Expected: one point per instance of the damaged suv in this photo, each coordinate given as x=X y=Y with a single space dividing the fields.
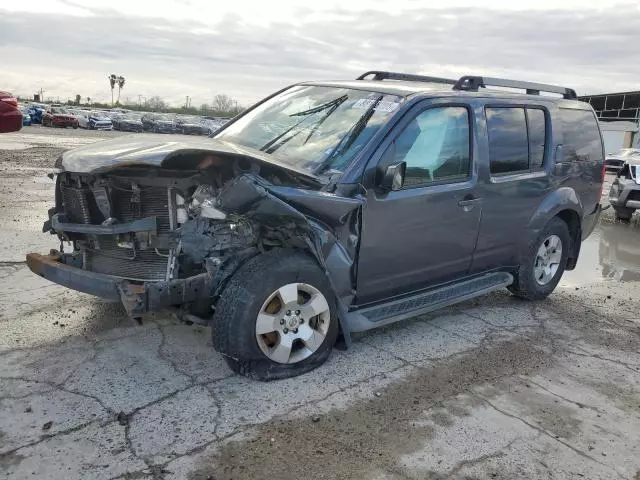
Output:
x=331 y=208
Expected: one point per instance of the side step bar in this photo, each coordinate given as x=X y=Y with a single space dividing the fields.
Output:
x=396 y=310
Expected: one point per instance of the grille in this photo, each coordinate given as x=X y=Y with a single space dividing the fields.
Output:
x=113 y=260
x=154 y=202
x=634 y=195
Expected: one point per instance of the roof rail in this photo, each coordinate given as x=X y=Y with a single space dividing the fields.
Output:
x=472 y=83
x=379 y=75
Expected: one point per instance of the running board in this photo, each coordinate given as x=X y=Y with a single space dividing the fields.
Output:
x=396 y=310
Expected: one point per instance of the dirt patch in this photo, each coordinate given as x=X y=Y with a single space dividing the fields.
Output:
x=41 y=157
x=368 y=437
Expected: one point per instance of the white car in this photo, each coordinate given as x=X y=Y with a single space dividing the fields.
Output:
x=94 y=121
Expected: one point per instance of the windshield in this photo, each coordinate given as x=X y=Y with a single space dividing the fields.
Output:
x=312 y=127
x=58 y=110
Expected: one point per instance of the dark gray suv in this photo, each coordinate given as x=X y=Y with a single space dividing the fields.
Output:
x=333 y=207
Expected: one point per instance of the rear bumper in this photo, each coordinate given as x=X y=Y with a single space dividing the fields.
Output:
x=590 y=221
x=137 y=297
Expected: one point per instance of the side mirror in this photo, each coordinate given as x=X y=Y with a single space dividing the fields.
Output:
x=393 y=176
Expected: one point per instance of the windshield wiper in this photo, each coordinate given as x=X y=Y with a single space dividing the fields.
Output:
x=319 y=108
x=349 y=137
x=271 y=146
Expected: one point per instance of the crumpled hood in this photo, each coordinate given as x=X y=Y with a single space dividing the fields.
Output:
x=153 y=151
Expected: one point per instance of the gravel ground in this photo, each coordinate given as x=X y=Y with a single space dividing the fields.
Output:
x=495 y=388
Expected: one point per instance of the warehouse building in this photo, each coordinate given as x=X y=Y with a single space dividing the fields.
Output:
x=619 y=115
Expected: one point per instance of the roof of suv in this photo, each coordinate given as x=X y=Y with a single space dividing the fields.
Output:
x=405 y=85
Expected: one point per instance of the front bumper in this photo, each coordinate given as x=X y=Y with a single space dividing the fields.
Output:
x=137 y=297
x=625 y=193
x=64 y=122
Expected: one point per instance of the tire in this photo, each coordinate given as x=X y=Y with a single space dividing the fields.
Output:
x=246 y=295
x=75 y=127
x=525 y=284
x=623 y=213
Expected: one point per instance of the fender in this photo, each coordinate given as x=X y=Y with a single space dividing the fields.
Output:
x=564 y=198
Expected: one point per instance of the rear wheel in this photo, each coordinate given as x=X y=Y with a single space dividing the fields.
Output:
x=276 y=318
x=623 y=213
x=544 y=264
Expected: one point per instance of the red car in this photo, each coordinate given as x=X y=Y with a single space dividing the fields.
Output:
x=58 y=117
x=10 y=115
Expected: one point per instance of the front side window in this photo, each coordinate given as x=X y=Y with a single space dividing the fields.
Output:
x=435 y=146
x=316 y=128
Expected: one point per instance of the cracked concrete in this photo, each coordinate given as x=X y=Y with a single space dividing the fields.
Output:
x=494 y=388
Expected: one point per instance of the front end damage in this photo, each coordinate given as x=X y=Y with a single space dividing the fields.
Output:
x=170 y=234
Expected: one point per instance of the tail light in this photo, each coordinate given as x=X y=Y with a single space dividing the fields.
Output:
x=13 y=101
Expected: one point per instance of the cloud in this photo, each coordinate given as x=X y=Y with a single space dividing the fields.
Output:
x=590 y=50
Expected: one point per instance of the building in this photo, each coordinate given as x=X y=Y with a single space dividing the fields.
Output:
x=619 y=115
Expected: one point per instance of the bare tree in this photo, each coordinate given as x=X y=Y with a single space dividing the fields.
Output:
x=155 y=103
x=112 y=81
x=88 y=99
x=224 y=103
x=120 y=81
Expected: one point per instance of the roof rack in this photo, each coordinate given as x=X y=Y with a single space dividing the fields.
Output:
x=379 y=75
x=472 y=83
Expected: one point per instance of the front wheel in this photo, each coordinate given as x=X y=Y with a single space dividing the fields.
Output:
x=623 y=213
x=276 y=318
x=544 y=263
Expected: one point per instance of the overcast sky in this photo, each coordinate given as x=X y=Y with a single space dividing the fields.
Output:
x=247 y=49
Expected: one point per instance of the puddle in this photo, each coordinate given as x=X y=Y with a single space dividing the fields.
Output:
x=611 y=253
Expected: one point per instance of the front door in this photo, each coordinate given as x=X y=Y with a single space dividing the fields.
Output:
x=425 y=233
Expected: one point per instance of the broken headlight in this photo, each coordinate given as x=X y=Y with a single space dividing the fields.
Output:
x=203 y=203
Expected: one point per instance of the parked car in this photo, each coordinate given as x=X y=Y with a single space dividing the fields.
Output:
x=128 y=123
x=332 y=208
x=213 y=124
x=26 y=118
x=58 y=117
x=157 y=123
x=615 y=161
x=10 y=115
x=624 y=195
x=35 y=112
x=191 y=126
x=94 y=120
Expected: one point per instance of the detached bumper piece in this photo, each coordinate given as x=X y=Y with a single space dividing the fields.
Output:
x=137 y=298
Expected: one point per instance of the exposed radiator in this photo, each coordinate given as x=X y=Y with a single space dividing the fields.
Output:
x=154 y=202
x=110 y=259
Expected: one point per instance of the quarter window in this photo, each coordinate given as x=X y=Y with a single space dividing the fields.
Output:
x=582 y=142
x=435 y=147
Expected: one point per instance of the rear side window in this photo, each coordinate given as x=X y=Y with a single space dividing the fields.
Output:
x=508 y=142
x=517 y=139
x=582 y=142
x=537 y=136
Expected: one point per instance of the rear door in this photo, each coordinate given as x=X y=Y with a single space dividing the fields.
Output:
x=425 y=233
x=515 y=179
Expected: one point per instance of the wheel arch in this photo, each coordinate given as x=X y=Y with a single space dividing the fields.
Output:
x=563 y=203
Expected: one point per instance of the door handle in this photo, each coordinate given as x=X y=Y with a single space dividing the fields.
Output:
x=468 y=203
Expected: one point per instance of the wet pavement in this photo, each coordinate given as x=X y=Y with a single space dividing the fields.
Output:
x=495 y=388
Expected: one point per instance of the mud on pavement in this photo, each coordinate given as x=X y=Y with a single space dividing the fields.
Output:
x=493 y=388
